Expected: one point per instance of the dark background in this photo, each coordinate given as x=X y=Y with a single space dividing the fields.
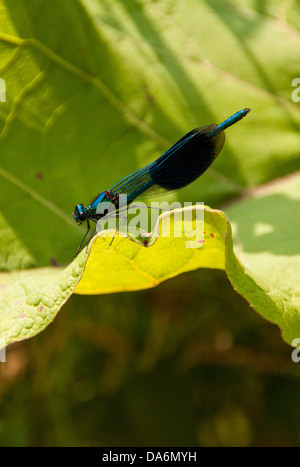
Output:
x=188 y=363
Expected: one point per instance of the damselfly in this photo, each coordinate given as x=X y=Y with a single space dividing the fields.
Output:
x=179 y=166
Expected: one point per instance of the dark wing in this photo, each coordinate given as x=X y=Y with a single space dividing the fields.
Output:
x=179 y=166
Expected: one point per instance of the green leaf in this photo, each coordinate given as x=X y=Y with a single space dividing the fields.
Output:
x=264 y=269
x=30 y=300
x=13 y=255
x=266 y=227
x=126 y=264
x=264 y=266
x=129 y=78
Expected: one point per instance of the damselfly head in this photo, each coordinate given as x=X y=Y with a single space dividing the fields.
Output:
x=79 y=214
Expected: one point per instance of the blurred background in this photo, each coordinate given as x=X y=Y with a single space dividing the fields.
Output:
x=188 y=363
x=101 y=88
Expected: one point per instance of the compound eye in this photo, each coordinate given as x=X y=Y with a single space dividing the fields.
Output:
x=79 y=214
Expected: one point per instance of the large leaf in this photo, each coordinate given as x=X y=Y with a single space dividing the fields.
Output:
x=99 y=89
x=267 y=226
x=264 y=267
x=267 y=273
x=102 y=87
